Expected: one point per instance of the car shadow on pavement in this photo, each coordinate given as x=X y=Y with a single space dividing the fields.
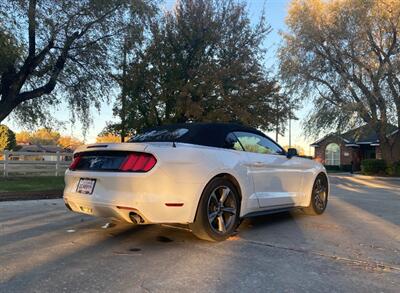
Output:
x=97 y=244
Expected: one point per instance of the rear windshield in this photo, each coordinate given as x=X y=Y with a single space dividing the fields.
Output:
x=160 y=135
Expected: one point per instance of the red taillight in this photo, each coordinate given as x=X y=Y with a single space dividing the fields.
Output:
x=75 y=162
x=138 y=162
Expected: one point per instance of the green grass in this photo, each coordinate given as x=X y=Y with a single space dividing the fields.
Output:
x=31 y=183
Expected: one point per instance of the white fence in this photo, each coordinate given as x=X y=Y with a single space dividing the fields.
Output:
x=34 y=164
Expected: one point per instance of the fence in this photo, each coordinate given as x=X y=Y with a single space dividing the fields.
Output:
x=34 y=164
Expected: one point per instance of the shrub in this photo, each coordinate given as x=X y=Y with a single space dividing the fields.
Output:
x=7 y=138
x=393 y=169
x=396 y=167
x=341 y=168
x=373 y=166
x=346 y=168
x=332 y=168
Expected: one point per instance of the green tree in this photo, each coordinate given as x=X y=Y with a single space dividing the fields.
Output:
x=7 y=138
x=108 y=138
x=130 y=41
x=64 y=53
x=9 y=50
x=45 y=136
x=345 y=56
x=202 y=62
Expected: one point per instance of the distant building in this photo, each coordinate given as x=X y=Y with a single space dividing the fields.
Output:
x=340 y=150
x=38 y=148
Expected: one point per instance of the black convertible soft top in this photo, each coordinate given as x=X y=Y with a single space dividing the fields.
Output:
x=207 y=134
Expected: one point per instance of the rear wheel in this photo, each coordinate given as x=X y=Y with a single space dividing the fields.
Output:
x=319 y=196
x=218 y=211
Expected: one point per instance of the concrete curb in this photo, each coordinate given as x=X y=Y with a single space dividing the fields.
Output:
x=366 y=177
x=376 y=177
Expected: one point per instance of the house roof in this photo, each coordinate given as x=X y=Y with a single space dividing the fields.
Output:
x=362 y=135
x=37 y=148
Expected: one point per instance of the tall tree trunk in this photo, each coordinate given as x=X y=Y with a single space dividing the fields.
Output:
x=6 y=107
x=395 y=142
x=390 y=147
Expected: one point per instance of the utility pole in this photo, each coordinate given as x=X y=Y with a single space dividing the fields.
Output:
x=277 y=120
x=123 y=91
x=277 y=127
x=290 y=131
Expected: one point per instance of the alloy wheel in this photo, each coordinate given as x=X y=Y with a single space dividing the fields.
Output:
x=222 y=209
x=320 y=194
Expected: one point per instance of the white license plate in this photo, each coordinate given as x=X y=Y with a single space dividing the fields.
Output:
x=86 y=186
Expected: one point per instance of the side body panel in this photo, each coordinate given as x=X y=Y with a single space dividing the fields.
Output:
x=277 y=180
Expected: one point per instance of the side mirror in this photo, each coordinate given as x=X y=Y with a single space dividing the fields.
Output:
x=292 y=152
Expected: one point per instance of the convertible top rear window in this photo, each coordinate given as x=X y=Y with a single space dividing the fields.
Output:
x=160 y=135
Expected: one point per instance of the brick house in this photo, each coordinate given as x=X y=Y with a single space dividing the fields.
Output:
x=342 y=150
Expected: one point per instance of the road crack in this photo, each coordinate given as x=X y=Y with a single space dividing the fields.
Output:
x=359 y=262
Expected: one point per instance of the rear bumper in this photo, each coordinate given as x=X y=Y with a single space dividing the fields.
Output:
x=96 y=209
x=151 y=213
x=156 y=198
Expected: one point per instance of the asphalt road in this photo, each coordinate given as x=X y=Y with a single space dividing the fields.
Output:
x=353 y=247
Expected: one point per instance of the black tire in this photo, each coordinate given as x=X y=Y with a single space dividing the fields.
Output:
x=218 y=211
x=319 y=196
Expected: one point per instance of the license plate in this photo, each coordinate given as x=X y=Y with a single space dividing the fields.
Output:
x=86 y=186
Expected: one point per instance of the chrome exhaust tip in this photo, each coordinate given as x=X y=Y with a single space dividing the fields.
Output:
x=135 y=218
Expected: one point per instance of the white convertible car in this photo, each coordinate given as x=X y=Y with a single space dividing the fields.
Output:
x=207 y=175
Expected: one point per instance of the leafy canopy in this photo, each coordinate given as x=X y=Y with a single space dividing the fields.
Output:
x=201 y=62
x=344 y=54
x=45 y=136
x=60 y=53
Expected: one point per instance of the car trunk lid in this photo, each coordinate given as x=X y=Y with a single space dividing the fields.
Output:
x=113 y=157
x=135 y=147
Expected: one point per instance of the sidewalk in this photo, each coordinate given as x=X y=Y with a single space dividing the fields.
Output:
x=376 y=177
x=365 y=177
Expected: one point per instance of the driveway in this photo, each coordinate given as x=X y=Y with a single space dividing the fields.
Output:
x=353 y=247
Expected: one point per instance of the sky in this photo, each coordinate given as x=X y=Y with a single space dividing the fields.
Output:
x=276 y=11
